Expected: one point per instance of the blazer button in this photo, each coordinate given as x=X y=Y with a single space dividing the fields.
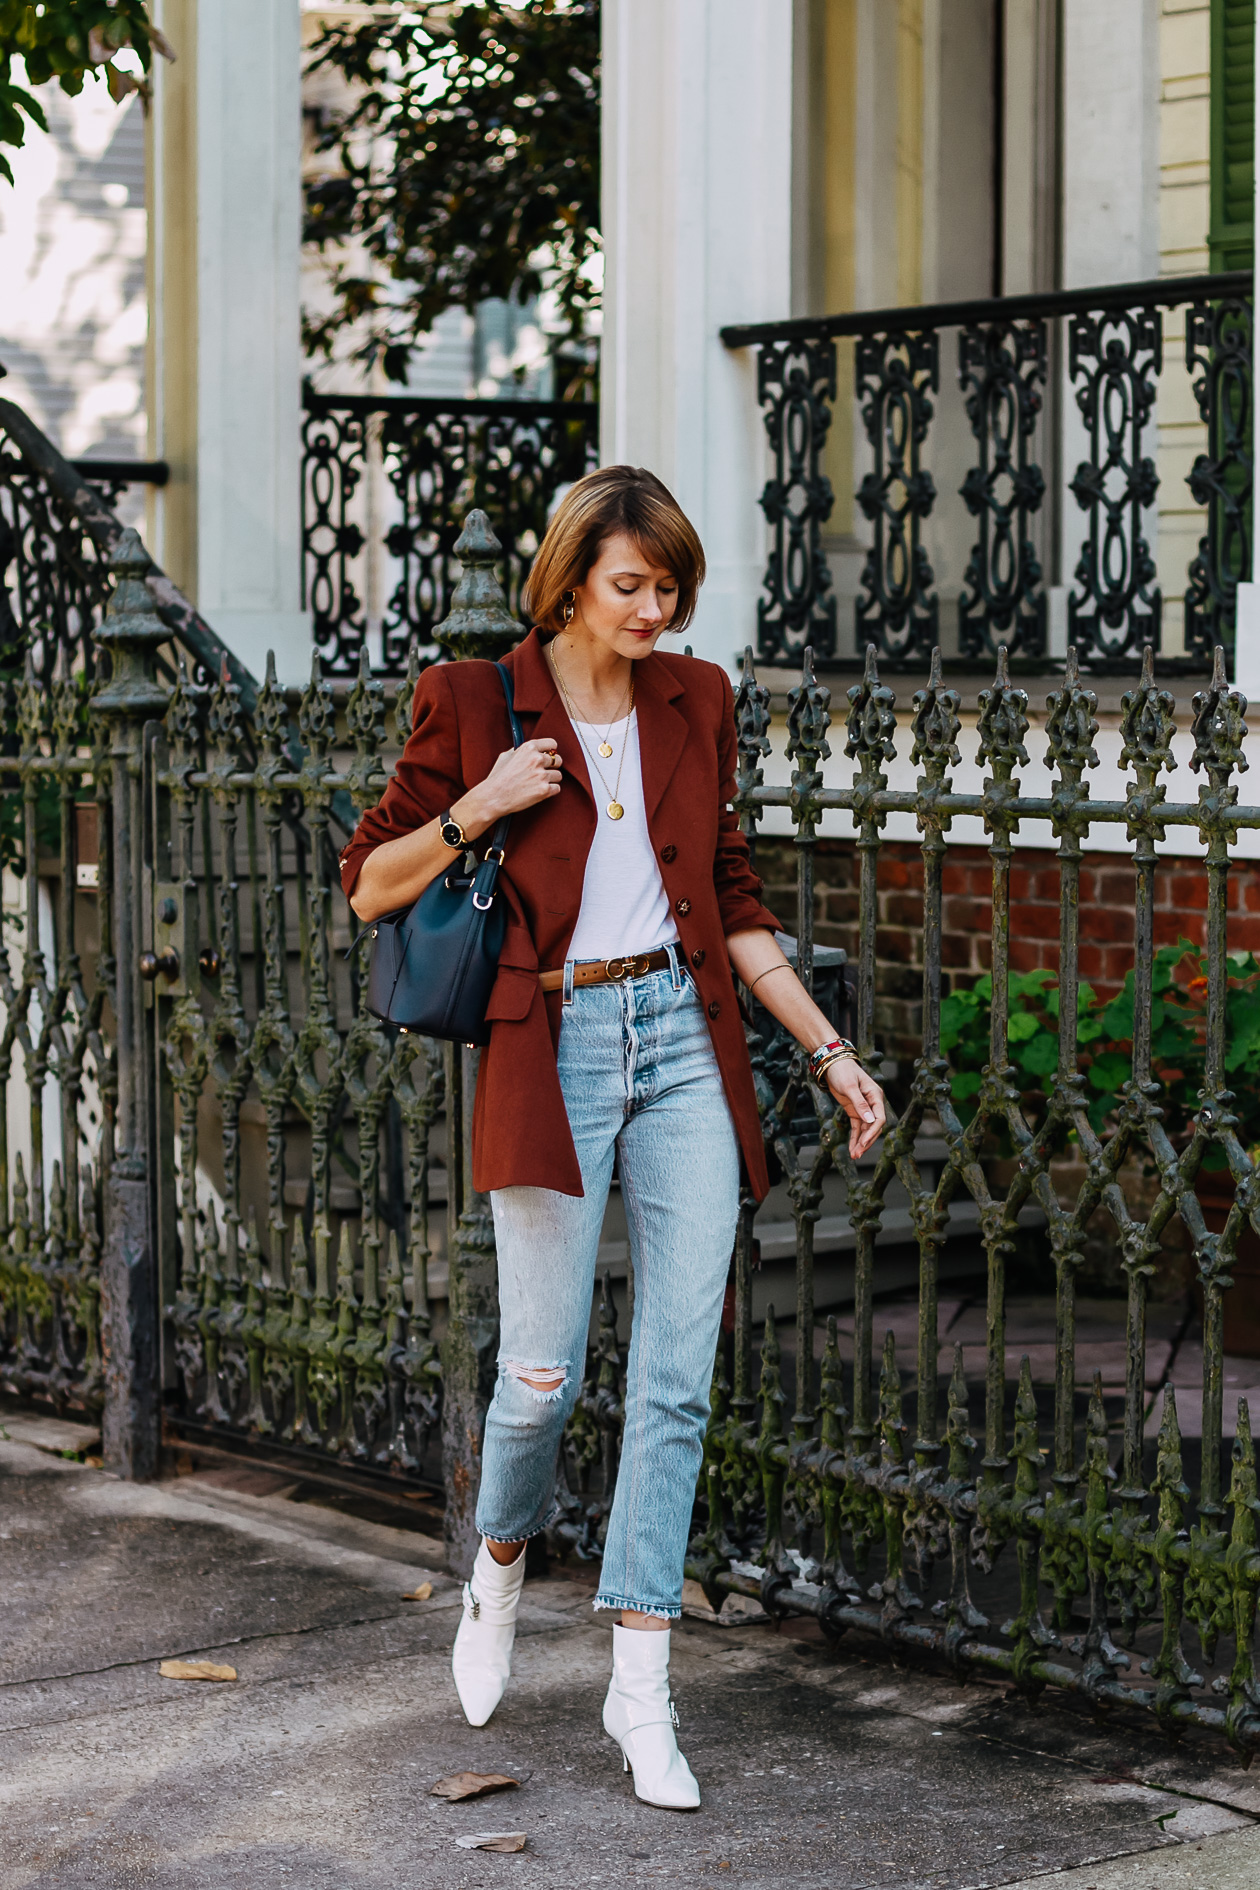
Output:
x=697 y=959
x=682 y=907
x=715 y=1009
x=669 y=855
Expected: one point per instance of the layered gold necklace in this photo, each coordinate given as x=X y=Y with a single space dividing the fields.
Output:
x=614 y=808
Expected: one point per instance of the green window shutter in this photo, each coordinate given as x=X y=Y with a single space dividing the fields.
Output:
x=1232 y=235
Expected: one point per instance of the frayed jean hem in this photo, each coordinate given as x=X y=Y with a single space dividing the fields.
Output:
x=636 y=1607
x=526 y=1535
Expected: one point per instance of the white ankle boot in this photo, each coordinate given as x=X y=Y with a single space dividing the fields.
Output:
x=482 y=1658
x=640 y=1716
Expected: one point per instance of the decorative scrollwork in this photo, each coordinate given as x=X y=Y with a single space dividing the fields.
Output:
x=438 y=459
x=1219 y=343
x=334 y=460
x=1002 y=370
x=1116 y=357
x=796 y=384
x=895 y=375
x=54 y=579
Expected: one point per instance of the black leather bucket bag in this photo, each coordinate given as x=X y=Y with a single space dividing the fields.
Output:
x=434 y=964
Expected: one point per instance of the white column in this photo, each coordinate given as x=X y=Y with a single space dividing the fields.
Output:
x=697 y=219
x=249 y=209
x=225 y=339
x=1110 y=142
x=1110 y=89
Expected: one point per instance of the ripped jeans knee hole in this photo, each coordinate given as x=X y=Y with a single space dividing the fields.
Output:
x=546 y=1382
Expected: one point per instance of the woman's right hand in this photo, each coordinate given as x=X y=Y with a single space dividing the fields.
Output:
x=520 y=778
x=395 y=873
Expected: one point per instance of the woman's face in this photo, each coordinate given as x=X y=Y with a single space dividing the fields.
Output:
x=626 y=600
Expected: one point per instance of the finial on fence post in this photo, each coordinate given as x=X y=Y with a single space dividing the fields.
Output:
x=131 y=631
x=479 y=622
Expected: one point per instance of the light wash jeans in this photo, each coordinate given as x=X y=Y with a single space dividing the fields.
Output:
x=639 y=1076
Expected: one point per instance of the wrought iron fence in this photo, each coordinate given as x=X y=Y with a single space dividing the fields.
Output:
x=254 y=1251
x=386 y=483
x=1020 y=361
x=60 y=997
x=58 y=1071
x=295 y=1243
x=851 y=1484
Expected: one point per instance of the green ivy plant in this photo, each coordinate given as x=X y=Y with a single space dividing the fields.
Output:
x=67 y=40
x=1104 y=1031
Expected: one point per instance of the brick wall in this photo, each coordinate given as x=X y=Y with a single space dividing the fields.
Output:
x=1106 y=916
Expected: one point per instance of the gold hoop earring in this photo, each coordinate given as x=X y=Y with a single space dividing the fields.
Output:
x=567 y=609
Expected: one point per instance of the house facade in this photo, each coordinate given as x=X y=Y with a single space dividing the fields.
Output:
x=764 y=162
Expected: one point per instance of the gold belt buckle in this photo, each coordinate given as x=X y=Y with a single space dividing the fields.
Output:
x=617 y=970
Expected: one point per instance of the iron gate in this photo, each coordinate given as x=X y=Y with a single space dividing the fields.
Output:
x=226 y=1205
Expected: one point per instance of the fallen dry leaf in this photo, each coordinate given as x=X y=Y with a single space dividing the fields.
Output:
x=459 y=1785
x=195 y=1670
x=419 y=1594
x=492 y=1841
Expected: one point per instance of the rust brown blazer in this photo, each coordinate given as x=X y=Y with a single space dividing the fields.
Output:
x=521 y=1133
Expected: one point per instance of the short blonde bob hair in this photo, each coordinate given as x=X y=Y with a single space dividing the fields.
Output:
x=610 y=500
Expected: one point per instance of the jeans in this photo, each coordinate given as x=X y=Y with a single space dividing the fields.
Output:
x=639 y=1078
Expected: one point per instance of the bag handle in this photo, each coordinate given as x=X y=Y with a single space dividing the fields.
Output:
x=488 y=872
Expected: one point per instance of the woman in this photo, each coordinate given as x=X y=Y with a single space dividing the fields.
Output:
x=617 y=1032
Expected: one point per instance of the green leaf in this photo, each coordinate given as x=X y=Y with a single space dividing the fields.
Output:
x=1021 y=1026
x=1041 y=1056
x=1109 y=1070
x=964 y=1084
x=1031 y=983
x=1117 y=1017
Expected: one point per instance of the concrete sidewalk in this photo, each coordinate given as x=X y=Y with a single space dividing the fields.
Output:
x=313 y=1768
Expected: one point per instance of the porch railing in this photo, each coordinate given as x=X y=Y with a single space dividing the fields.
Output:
x=1056 y=494
x=387 y=481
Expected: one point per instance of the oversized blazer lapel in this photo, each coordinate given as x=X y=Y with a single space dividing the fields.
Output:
x=535 y=693
x=662 y=730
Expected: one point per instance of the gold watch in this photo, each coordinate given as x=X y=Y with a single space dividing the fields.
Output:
x=452 y=832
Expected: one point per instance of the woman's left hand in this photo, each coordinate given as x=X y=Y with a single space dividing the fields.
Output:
x=862 y=1100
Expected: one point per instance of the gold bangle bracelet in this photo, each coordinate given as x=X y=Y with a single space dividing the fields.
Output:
x=765 y=974
x=841 y=1056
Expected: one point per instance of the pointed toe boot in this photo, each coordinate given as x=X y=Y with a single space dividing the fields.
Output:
x=482 y=1658
x=640 y=1716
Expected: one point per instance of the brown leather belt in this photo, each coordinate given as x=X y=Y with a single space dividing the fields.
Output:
x=608 y=970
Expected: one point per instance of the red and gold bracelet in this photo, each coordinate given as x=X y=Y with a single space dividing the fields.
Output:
x=828 y=1053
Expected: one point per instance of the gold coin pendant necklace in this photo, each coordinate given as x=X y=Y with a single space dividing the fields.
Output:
x=614 y=809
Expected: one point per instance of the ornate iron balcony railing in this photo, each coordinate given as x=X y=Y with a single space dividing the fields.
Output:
x=1022 y=362
x=386 y=483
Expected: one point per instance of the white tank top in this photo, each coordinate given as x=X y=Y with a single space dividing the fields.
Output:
x=625 y=907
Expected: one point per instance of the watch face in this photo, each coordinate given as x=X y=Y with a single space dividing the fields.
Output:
x=452 y=833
